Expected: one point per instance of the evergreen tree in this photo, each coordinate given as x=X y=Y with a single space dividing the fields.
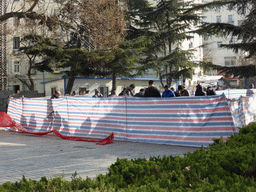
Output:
x=167 y=25
x=35 y=47
x=242 y=37
x=124 y=61
x=97 y=29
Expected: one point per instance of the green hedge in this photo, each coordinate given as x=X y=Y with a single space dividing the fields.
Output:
x=223 y=166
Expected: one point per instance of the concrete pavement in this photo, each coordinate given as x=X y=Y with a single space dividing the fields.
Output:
x=35 y=157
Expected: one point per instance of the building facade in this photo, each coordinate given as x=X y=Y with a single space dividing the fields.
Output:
x=14 y=64
x=3 y=48
x=212 y=51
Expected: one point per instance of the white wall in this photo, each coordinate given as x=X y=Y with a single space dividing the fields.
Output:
x=218 y=54
x=92 y=84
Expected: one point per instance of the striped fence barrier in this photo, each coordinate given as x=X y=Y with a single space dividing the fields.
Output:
x=236 y=93
x=183 y=121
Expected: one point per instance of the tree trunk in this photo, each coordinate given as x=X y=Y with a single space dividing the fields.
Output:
x=23 y=81
x=113 y=81
x=71 y=81
x=161 y=79
x=31 y=86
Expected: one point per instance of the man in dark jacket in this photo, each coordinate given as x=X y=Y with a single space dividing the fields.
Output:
x=152 y=91
x=128 y=91
x=140 y=94
x=210 y=91
x=199 y=91
x=183 y=91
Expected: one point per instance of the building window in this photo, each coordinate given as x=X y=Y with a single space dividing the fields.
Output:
x=219 y=44
x=16 y=67
x=230 y=19
x=218 y=19
x=16 y=42
x=230 y=61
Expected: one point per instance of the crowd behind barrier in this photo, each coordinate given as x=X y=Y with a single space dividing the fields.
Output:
x=183 y=121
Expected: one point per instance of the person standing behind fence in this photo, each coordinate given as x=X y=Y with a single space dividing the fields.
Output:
x=175 y=92
x=152 y=91
x=199 y=91
x=168 y=92
x=210 y=91
x=183 y=91
x=56 y=95
x=97 y=94
x=128 y=91
x=140 y=94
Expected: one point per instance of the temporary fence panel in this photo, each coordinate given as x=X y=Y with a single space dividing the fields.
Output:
x=236 y=93
x=71 y=116
x=243 y=110
x=184 y=121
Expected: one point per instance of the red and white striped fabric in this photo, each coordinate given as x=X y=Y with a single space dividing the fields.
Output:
x=183 y=121
x=236 y=93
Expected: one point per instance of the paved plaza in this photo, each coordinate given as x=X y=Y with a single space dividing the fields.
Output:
x=34 y=156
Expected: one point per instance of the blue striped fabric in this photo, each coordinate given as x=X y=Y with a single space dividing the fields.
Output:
x=236 y=93
x=183 y=121
x=243 y=110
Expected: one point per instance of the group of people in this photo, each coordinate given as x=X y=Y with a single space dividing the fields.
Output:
x=207 y=92
x=152 y=91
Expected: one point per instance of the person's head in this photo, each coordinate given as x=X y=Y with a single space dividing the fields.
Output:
x=96 y=91
x=166 y=87
x=142 y=90
x=132 y=86
x=199 y=87
x=172 y=89
x=57 y=94
x=150 y=82
x=180 y=87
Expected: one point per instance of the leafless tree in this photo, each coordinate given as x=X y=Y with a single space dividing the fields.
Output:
x=100 y=23
x=95 y=25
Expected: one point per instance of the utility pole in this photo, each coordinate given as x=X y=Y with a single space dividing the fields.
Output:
x=3 y=61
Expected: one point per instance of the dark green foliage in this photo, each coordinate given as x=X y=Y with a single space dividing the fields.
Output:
x=166 y=24
x=241 y=37
x=222 y=166
x=238 y=71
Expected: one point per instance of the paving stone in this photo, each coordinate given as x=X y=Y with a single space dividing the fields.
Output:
x=49 y=156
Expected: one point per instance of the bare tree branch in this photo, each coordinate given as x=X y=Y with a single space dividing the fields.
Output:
x=28 y=13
